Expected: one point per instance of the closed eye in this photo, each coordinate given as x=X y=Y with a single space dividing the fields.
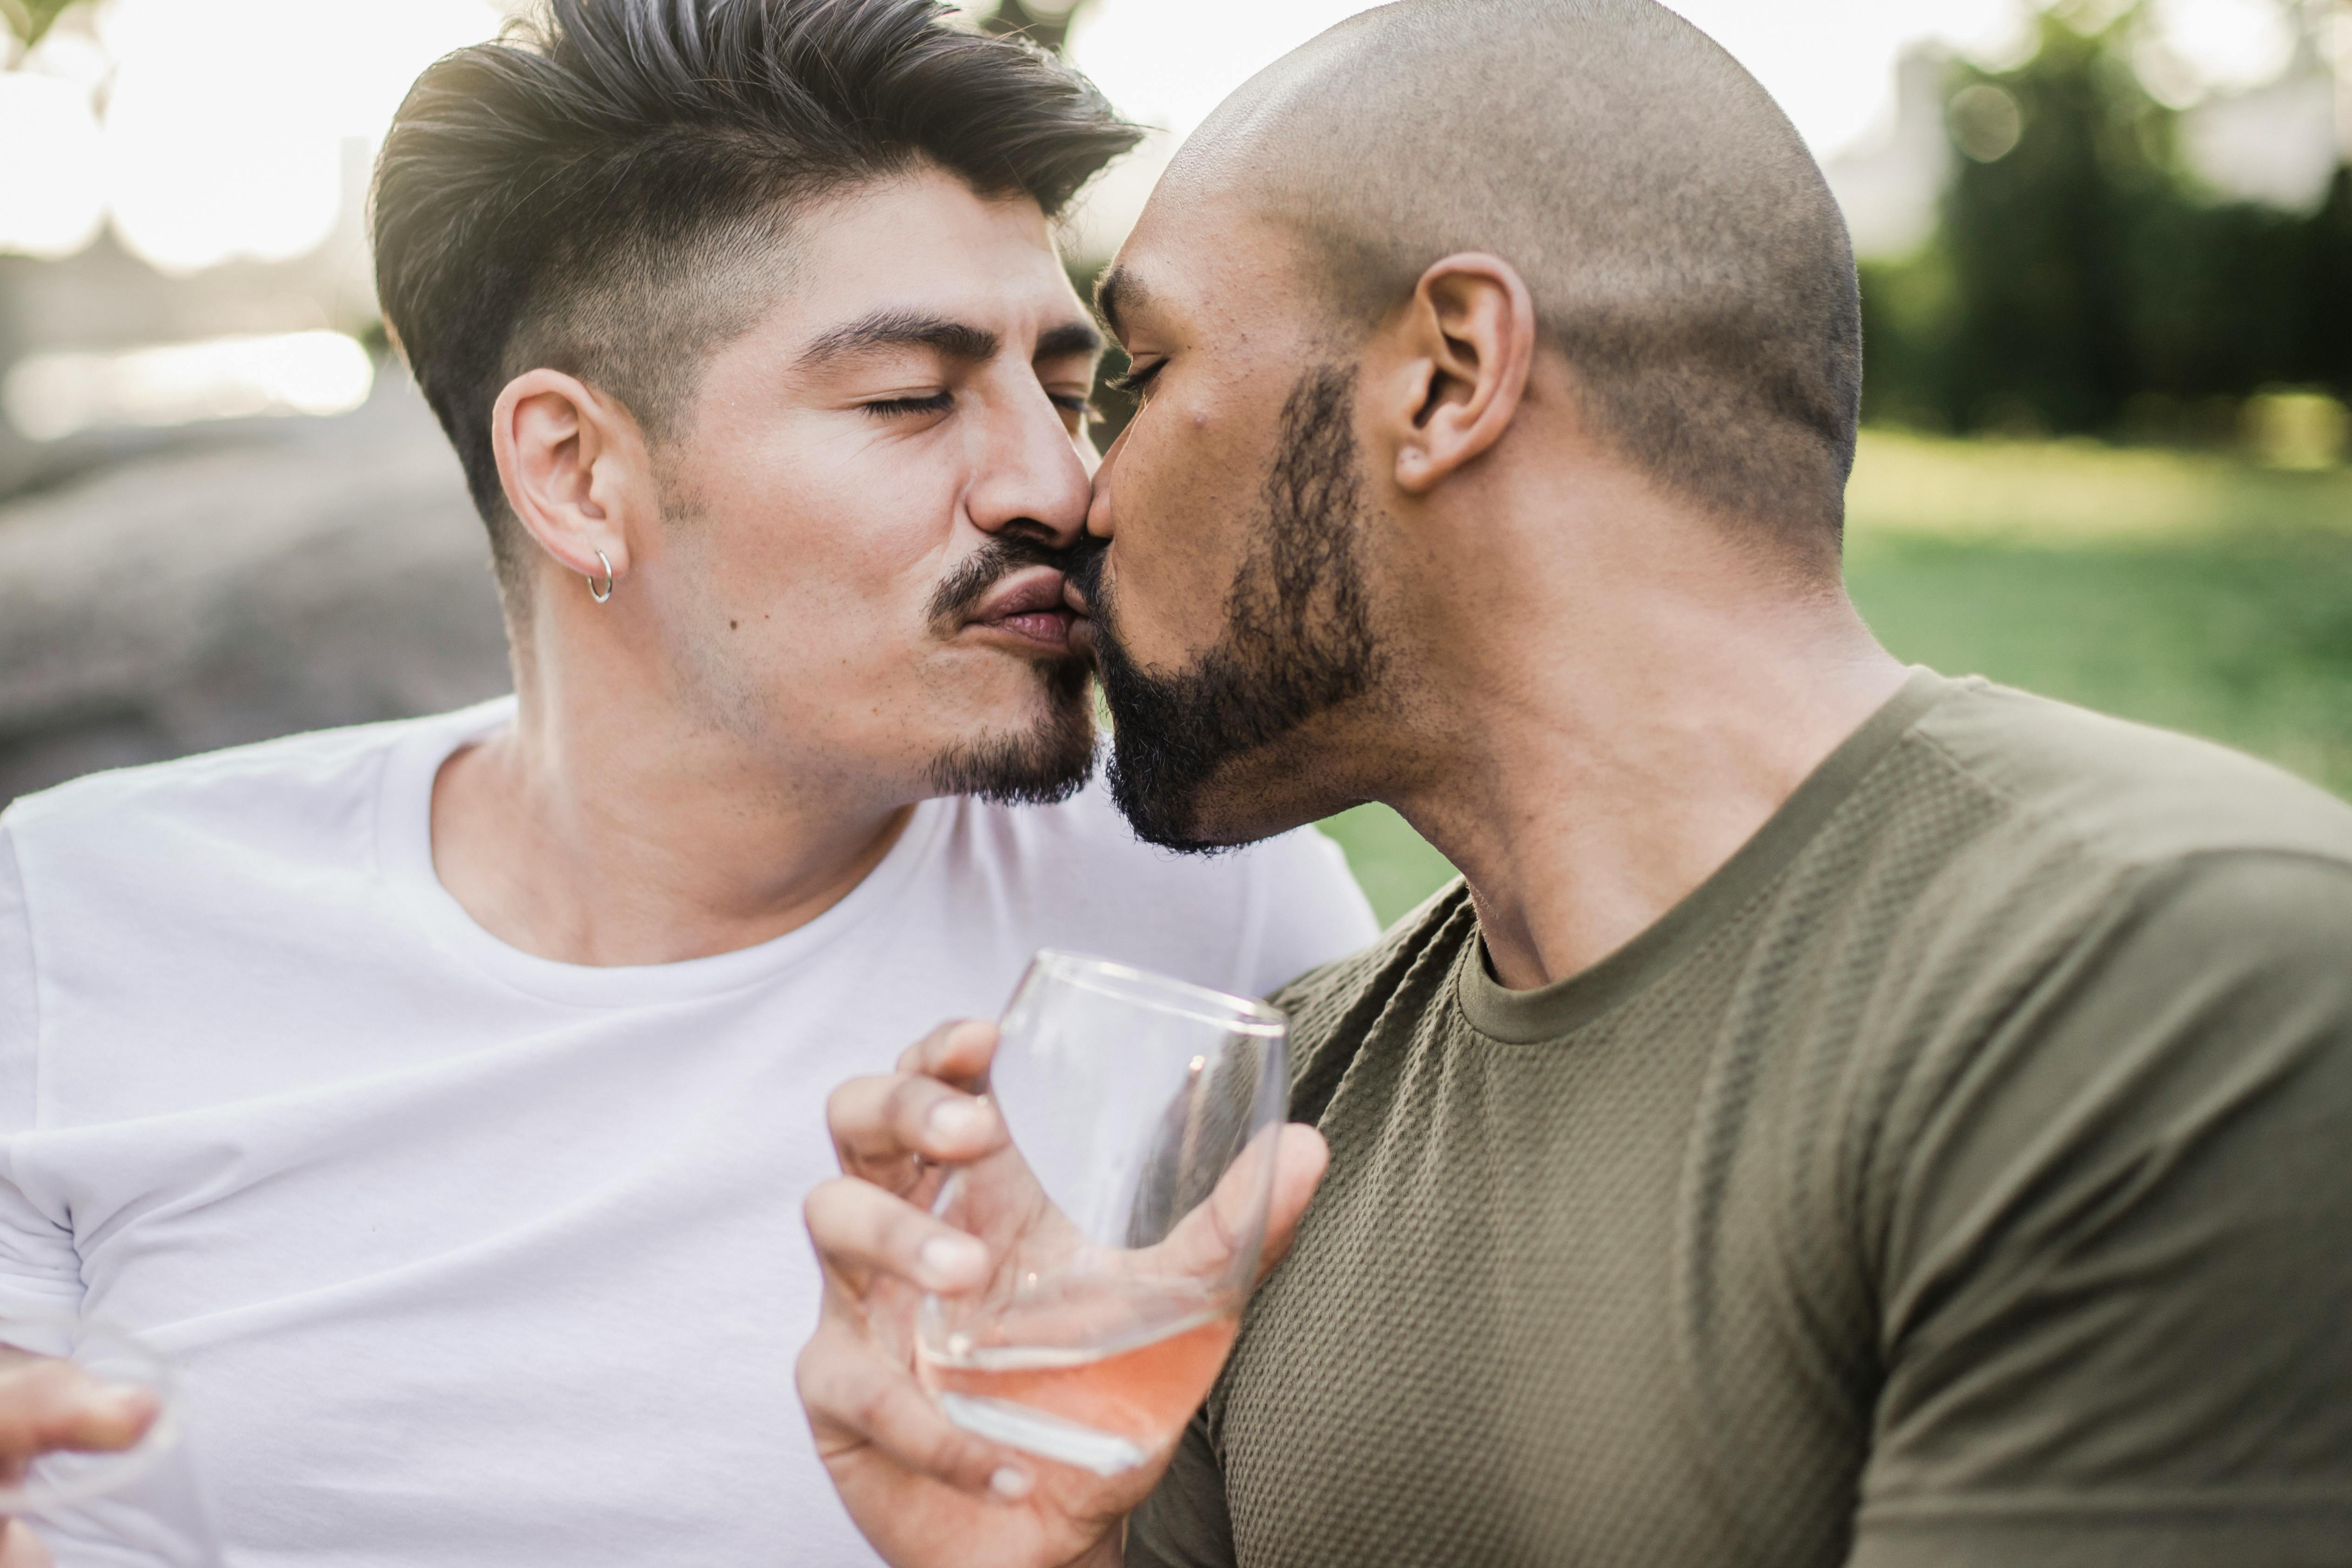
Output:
x=1074 y=403
x=1135 y=377
x=890 y=407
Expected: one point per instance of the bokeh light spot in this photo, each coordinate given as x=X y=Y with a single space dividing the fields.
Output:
x=1987 y=123
x=52 y=395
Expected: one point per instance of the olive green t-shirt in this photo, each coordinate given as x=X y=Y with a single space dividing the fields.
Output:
x=1961 y=1176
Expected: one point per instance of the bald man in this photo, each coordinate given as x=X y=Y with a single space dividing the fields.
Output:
x=1844 y=1115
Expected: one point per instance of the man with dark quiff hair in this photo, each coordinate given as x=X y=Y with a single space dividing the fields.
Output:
x=440 y=1094
x=1842 y=1115
x=619 y=199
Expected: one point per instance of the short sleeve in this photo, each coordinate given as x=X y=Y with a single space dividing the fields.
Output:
x=1304 y=910
x=1184 y=1522
x=20 y=1019
x=40 y=1270
x=2117 y=1269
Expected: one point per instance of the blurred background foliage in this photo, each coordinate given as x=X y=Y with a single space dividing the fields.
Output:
x=2104 y=453
x=2083 y=281
x=28 y=19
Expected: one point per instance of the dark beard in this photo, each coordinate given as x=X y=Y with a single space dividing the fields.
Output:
x=1298 y=639
x=1042 y=765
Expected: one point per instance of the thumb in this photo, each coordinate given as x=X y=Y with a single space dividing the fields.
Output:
x=1300 y=1162
x=48 y=1405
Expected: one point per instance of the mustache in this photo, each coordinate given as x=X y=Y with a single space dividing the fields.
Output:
x=1083 y=566
x=972 y=577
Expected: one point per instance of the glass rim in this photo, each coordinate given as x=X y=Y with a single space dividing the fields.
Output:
x=1164 y=992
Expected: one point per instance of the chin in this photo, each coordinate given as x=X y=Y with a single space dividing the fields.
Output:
x=1045 y=760
x=1238 y=798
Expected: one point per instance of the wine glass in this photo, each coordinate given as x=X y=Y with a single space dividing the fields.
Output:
x=1124 y=1219
x=140 y=1497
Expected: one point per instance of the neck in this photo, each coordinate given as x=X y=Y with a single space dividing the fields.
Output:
x=614 y=824
x=1584 y=792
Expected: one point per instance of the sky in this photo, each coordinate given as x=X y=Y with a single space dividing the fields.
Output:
x=229 y=128
x=1830 y=62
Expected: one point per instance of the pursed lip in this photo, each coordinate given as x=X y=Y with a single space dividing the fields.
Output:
x=1030 y=604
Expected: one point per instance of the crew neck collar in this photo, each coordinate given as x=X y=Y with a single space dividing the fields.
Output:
x=405 y=855
x=1531 y=1017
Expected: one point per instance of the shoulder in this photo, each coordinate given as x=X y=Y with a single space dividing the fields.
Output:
x=309 y=796
x=1377 y=967
x=2003 y=830
x=2124 y=794
x=2108 y=933
x=1334 y=1008
x=1244 y=920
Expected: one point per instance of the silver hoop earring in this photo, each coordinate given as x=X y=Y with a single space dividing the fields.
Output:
x=607 y=593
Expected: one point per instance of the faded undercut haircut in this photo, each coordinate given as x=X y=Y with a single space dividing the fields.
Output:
x=1682 y=246
x=609 y=189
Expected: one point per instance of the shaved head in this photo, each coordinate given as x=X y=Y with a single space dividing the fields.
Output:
x=1682 y=248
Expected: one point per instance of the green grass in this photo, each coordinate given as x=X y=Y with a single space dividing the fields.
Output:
x=1396 y=866
x=2186 y=590
x=2190 y=591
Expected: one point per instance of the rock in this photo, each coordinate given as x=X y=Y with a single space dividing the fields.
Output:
x=287 y=575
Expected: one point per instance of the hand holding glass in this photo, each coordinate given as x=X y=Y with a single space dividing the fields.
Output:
x=1124 y=1219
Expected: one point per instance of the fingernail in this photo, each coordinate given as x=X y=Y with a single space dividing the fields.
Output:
x=123 y=1402
x=1010 y=1484
x=952 y=1118
x=949 y=1257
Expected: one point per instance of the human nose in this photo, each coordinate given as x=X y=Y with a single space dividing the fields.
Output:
x=1031 y=478
x=1099 y=522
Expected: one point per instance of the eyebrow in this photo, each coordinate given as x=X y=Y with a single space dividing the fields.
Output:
x=902 y=330
x=1069 y=339
x=954 y=339
x=1117 y=284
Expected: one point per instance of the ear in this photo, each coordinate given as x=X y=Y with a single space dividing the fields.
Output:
x=1466 y=341
x=571 y=462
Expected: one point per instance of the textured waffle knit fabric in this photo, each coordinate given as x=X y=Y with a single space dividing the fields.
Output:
x=1959 y=1177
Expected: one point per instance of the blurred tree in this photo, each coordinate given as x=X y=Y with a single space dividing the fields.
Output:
x=2080 y=280
x=28 y=19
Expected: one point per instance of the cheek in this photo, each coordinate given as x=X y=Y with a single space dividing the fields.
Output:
x=816 y=560
x=1185 y=497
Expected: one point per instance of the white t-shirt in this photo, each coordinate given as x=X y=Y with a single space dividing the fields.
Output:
x=469 y=1258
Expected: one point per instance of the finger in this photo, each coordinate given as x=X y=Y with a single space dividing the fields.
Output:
x=956 y=1053
x=857 y=1115
x=1203 y=1242
x=20 y=1547
x=877 y=1123
x=854 y=1396
x=48 y=1405
x=860 y=1231
x=1300 y=1159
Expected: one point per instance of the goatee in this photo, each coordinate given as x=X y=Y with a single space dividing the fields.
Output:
x=1052 y=759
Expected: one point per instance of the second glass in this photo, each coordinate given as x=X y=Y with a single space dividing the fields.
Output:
x=1124 y=1221
x=136 y=1504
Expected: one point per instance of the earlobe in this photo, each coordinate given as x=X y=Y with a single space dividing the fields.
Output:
x=1416 y=395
